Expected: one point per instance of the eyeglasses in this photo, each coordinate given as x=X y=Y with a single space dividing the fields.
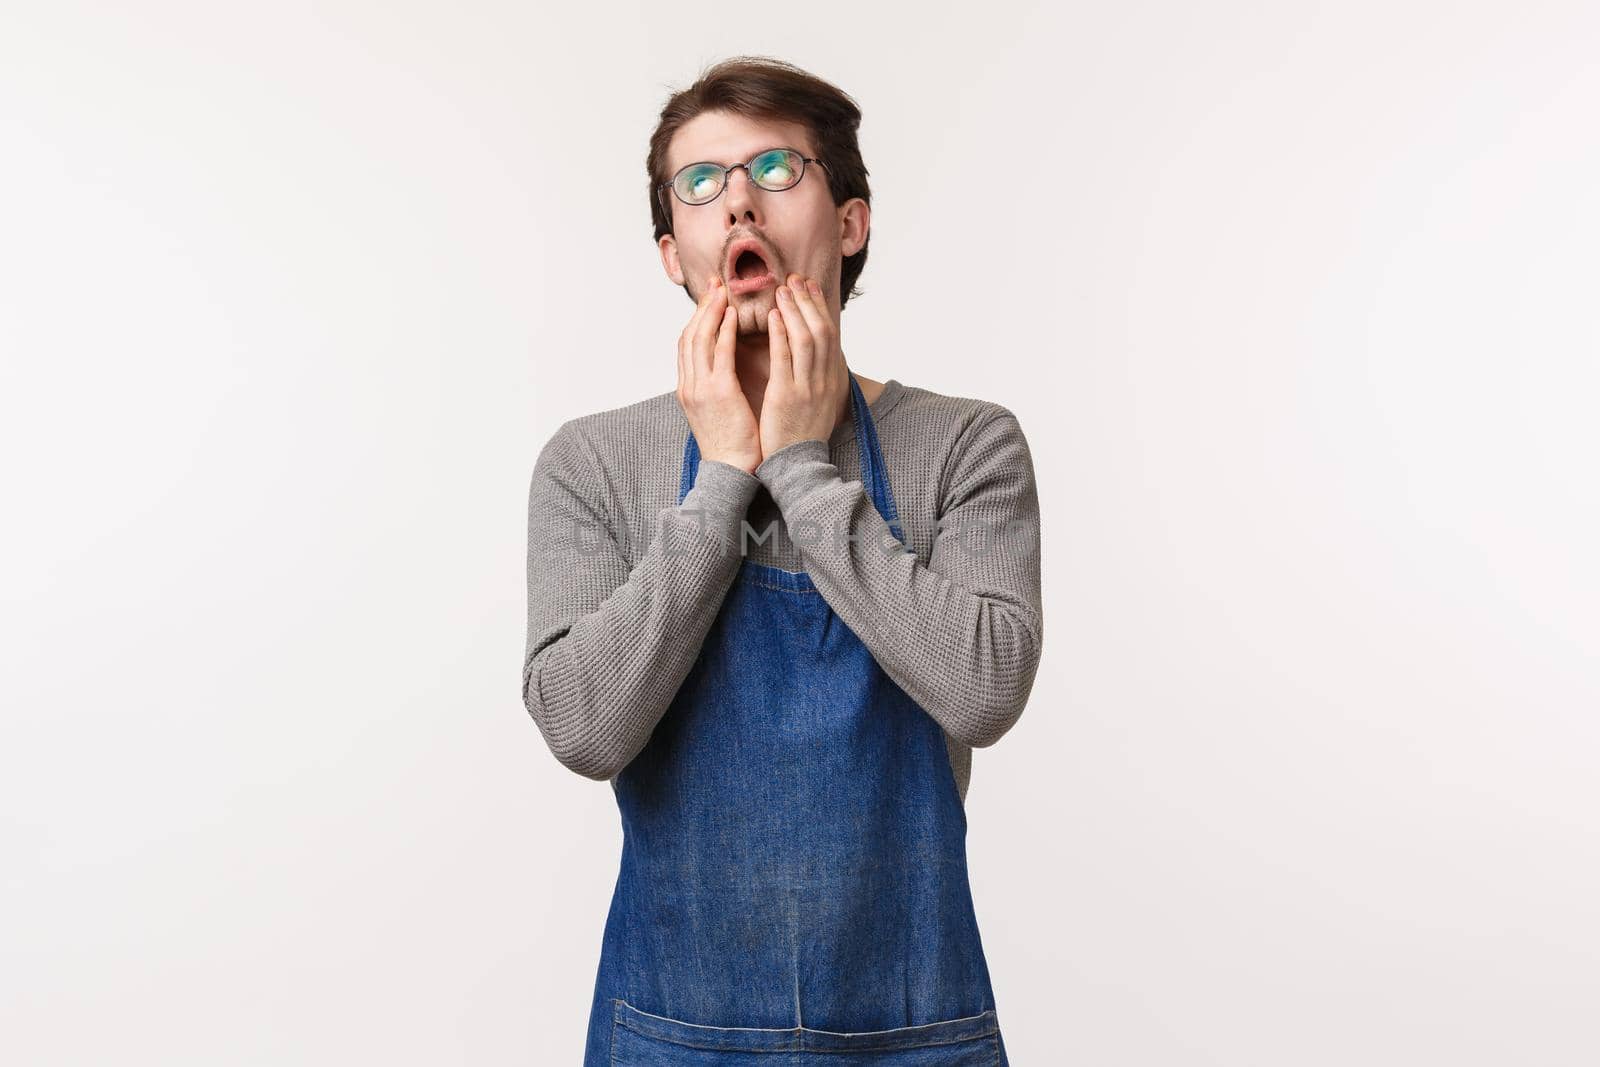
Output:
x=775 y=170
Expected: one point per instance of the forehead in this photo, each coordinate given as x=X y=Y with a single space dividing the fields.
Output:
x=726 y=138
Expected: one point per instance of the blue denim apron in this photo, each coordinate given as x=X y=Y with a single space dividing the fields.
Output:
x=794 y=869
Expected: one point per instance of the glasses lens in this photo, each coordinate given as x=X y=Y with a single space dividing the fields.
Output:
x=777 y=169
x=698 y=183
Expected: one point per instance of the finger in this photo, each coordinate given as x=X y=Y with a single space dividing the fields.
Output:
x=683 y=373
x=706 y=331
x=722 y=362
x=780 y=365
x=686 y=363
x=818 y=325
x=798 y=333
x=700 y=307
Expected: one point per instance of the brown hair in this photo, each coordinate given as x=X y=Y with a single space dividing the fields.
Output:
x=765 y=88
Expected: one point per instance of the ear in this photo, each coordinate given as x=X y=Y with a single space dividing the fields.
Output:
x=668 y=247
x=855 y=220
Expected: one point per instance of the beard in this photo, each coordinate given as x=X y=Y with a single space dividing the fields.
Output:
x=751 y=314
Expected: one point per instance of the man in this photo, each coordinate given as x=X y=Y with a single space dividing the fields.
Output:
x=776 y=609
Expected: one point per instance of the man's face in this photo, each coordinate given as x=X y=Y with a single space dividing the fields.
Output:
x=795 y=230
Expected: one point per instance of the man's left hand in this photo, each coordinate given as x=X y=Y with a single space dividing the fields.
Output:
x=808 y=383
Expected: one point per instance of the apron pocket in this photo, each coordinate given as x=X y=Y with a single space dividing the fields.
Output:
x=643 y=1039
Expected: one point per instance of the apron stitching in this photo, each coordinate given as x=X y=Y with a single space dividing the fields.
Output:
x=889 y=1048
x=799 y=1033
x=916 y=1026
x=779 y=588
x=794 y=956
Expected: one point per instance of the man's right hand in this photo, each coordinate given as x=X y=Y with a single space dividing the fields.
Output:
x=719 y=414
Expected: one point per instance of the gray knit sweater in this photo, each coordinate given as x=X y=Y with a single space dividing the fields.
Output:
x=624 y=582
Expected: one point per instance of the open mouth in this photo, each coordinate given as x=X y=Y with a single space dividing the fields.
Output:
x=747 y=268
x=749 y=265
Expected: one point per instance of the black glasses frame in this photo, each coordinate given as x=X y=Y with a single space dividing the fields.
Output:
x=727 y=172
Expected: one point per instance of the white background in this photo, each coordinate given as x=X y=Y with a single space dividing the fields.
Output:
x=1296 y=303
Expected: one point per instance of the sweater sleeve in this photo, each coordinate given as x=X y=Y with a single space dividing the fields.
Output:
x=608 y=645
x=961 y=633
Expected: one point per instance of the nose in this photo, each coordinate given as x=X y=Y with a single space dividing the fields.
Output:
x=740 y=199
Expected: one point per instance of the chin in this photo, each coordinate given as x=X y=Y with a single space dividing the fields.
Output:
x=752 y=316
